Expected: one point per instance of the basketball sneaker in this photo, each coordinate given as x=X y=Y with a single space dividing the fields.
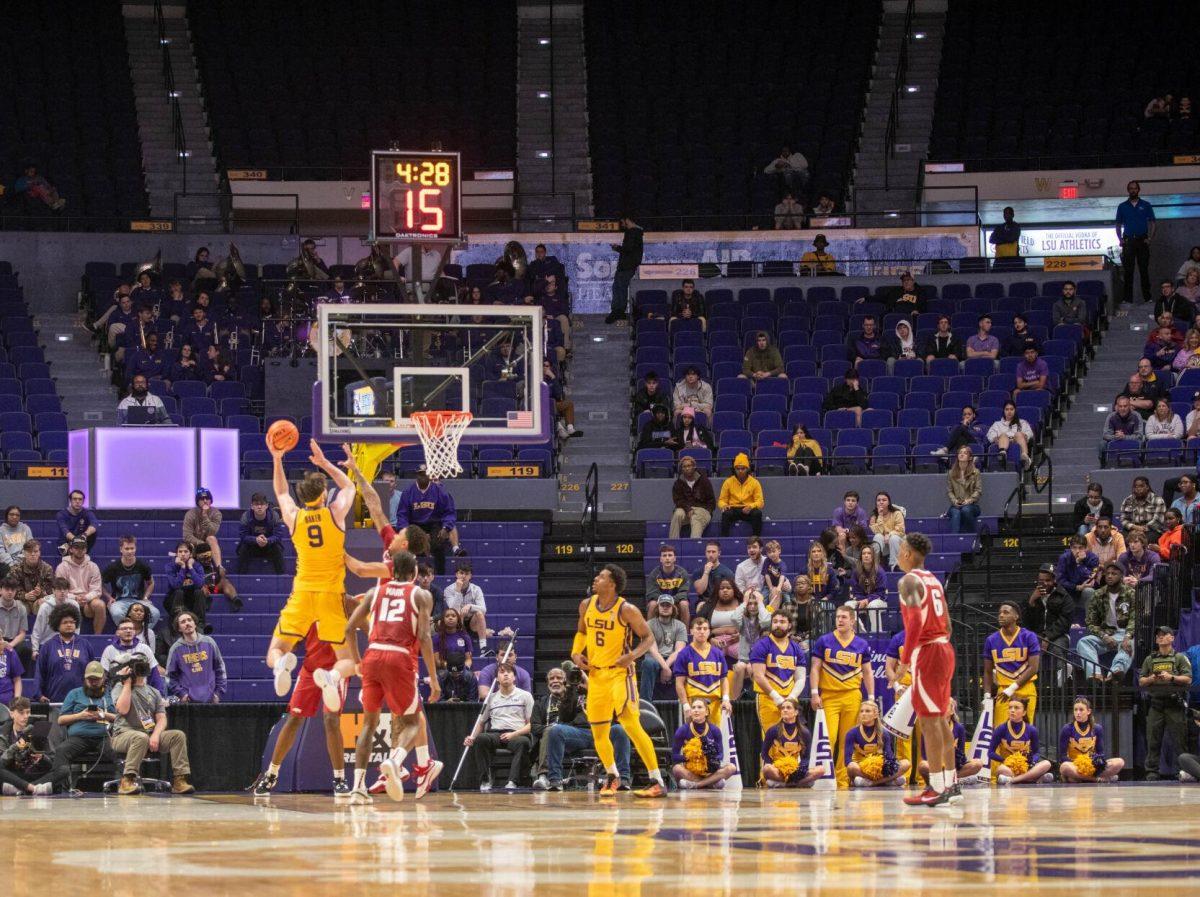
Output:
x=329 y=681
x=380 y=786
x=956 y=794
x=920 y=799
x=341 y=789
x=359 y=797
x=654 y=790
x=612 y=784
x=393 y=781
x=264 y=784
x=426 y=776
x=283 y=674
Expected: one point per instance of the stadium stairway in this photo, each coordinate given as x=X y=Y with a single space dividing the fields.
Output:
x=1074 y=452
x=915 y=117
x=568 y=558
x=599 y=387
x=166 y=174
x=87 y=394
x=552 y=117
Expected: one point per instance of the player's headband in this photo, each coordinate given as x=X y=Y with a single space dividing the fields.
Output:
x=316 y=501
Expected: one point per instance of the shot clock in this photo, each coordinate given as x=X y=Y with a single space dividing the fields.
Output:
x=416 y=195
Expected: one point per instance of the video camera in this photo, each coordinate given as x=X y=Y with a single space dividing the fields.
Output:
x=135 y=663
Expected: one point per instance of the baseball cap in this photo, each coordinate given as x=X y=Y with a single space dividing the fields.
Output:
x=79 y=540
x=664 y=598
x=1117 y=564
x=94 y=670
x=1046 y=568
x=1164 y=630
x=421 y=469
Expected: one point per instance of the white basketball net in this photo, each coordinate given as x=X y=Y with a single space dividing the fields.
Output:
x=440 y=432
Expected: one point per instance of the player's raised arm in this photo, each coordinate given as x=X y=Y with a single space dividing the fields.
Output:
x=335 y=473
x=283 y=493
x=580 y=643
x=365 y=570
x=634 y=619
x=368 y=492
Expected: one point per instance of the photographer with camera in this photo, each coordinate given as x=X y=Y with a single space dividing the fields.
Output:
x=126 y=643
x=141 y=726
x=24 y=766
x=85 y=714
x=561 y=725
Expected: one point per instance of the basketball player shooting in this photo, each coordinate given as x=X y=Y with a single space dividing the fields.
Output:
x=604 y=648
x=931 y=656
x=399 y=626
x=319 y=536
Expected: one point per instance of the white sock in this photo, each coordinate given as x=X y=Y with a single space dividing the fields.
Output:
x=951 y=777
x=360 y=780
x=656 y=775
x=422 y=752
x=273 y=769
x=612 y=770
x=398 y=755
x=339 y=775
x=937 y=781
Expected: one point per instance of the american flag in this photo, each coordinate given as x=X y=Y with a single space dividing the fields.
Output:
x=520 y=419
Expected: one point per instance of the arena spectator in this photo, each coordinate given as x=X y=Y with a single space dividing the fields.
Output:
x=982 y=344
x=117 y=317
x=822 y=574
x=804 y=453
x=13 y=536
x=867 y=588
x=33 y=185
x=199 y=270
x=1007 y=237
x=1190 y=264
x=1179 y=307
x=1091 y=508
x=14 y=624
x=942 y=343
x=1010 y=429
x=1016 y=735
x=141 y=728
x=904 y=343
x=869 y=343
x=1069 y=308
x=790 y=170
x=1141 y=397
x=487 y=675
x=651 y=393
x=706 y=579
x=903 y=299
x=561 y=727
x=467 y=598
x=775 y=580
x=84 y=715
x=503 y=363
x=33 y=577
x=76 y=520
x=564 y=408
x=741 y=498
x=1173 y=535
x=629 y=251
x=1144 y=509
x=687 y=303
x=260 y=535
x=1190 y=288
x=762 y=360
x=217 y=366
x=670 y=635
x=800 y=610
x=195 y=667
x=24 y=755
x=84 y=576
x=847 y=395
x=1151 y=379
x=1032 y=372
x=1078 y=571
x=215 y=580
x=1049 y=610
x=543 y=265
x=1111 y=615
x=1105 y=542
x=428 y=505
x=200 y=333
x=657 y=432
x=1014 y=344
x=789 y=214
x=126 y=581
x=148 y=361
x=1162 y=347
x=187 y=368
x=1188 y=357
x=668 y=578
x=849 y=513
x=185 y=587
x=506 y=722
x=452 y=651
x=1123 y=423
x=698 y=751
x=816 y=262
x=967 y=432
x=693 y=498
x=1135 y=230
x=1188 y=503
x=693 y=392
x=689 y=433
x=1166 y=677
x=1164 y=423
x=1138 y=561
x=42 y=632
x=337 y=292
x=748 y=574
x=826 y=206
x=887 y=528
x=126 y=644
x=62 y=657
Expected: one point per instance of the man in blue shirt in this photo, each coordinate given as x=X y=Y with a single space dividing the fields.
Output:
x=86 y=713
x=1135 y=230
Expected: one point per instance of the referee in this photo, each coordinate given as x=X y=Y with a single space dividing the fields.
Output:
x=1135 y=230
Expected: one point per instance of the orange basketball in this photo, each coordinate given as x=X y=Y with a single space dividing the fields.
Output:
x=282 y=436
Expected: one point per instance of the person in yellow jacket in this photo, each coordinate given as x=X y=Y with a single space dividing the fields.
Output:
x=741 y=498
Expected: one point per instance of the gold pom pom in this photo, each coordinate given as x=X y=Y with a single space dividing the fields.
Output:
x=1017 y=762
x=693 y=757
x=1085 y=766
x=787 y=765
x=872 y=767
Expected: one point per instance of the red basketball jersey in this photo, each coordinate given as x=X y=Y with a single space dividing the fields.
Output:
x=394 y=616
x=930 y=620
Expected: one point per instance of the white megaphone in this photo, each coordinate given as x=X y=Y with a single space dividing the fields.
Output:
x=900 y=718
x=820 y=754
x=733 y=783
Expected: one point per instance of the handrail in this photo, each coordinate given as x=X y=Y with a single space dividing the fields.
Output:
x=893 y=122
x=181 y=150
x=590 y=522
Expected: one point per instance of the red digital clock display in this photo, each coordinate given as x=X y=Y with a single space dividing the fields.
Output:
x=416 y=195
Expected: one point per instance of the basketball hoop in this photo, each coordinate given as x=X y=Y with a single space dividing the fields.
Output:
x=440 y=432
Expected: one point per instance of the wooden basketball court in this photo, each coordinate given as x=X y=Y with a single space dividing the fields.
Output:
x=1125 y=839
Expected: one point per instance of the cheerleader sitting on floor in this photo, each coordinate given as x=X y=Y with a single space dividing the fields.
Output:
x=1082 y=743
x=1015 y=752
x=785 y=751
x=698 y=749
x=871 y=752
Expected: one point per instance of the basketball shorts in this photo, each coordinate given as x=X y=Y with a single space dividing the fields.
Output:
x=932 y=670
x=390 y=676
x=609 y=690
x=306 y=701
x=303 y=610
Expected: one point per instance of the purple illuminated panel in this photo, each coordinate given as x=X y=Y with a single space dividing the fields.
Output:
x=219 y=457
x=144 y=468
x=79 y=462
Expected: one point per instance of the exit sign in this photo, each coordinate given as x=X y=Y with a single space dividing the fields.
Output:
x=1068 y=190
